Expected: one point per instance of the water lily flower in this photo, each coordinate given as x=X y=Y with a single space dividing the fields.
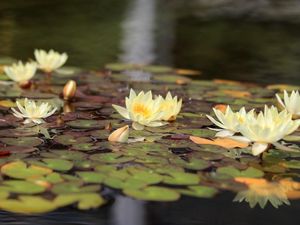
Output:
x=50 y=61
x=120 y=135
x=142 y=110
x=20 y=72
x=290 y=103
x=32 y=111
x=229 y=121
x=170 y=107
x=268 y=127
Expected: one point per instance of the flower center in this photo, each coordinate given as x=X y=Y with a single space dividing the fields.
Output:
x=141 y=109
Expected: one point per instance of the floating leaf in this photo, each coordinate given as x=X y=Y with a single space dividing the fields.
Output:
x=199 y=191
x=20 y=170
x=70 y=140
x=21 y=187
x=153 y=194
x=87 y=124
x=27 y=205
x=223 y=142
x=180 y=178
x=233 y=172
x=22 y=141
x=58 y=164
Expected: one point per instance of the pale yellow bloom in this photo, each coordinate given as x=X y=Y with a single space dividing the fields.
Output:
x=267 y=127
x=229 y=121
x=50 y=61
x=32 y=111
x=142 y=110
x=261 y=191
x=20 y=72
x=170 y=107
x=290 y=103
x=120 y=135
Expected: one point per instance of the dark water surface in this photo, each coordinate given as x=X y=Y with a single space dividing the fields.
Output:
x=187 y=211
x=96 y=32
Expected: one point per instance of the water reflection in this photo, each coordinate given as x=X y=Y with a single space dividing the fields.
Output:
x=127 y=211
x=260 y=191
x=138 y=33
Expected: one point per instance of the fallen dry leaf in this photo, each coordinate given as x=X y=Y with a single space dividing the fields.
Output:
x=221 y=107
x=223 y=142
x=186 y=72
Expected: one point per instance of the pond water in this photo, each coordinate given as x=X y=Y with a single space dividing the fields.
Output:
x=97 y=32
x=163 y=32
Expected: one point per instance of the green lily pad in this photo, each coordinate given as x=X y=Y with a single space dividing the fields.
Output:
x=180 y=178
x=70 y=140
x=192 y=164
x=111 y=158
x=21 y=187
x=91 y=177
x=157 y=69
x=73 y=187
x=27 y=205
x=22 y=141
x=20 y=170
x=153 y=194
x=87 y=124
x=85 y=200
x=233 y=172
x=199 y=191
x=58 y=164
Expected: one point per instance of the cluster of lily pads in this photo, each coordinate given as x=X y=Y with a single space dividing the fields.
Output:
x=77 y=150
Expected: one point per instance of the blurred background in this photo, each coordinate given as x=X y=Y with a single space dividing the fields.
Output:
x=257 y=40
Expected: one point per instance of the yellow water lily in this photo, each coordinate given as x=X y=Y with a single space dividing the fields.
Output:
x=267 y=127
x=170 y=107
x=50 y=61
x=32 y=111
x=290 y=103
x=142 y=110
x=229 y=121
x=21 y=72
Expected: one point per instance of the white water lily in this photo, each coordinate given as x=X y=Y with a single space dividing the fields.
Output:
x=20 y=72
x=170 y=107
x=32 y=111
x=290 y=103
x=50 y=61
x=268 y=127
x=229 y=121
x=142 y=110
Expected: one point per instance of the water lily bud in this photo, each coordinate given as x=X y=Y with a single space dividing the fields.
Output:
x=120 y=135
x=69 y=90
x=25 y=84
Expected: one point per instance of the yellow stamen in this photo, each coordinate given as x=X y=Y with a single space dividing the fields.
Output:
x=141 y=109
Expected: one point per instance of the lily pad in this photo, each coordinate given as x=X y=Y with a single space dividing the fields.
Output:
x=87 y=124
x=22 y=141
x=20 y=170
x=233 y=172
x=21 y=187
x=153 y=194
